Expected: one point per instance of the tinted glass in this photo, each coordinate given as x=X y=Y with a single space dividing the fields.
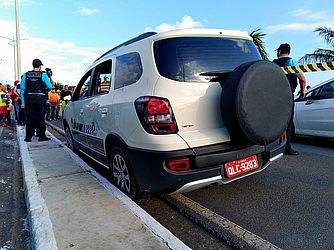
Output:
x=128 y=70
x=326 y=92
x=83 y=88
x=183 y=59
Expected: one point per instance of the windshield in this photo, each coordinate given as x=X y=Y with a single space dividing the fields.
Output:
x=184 y=59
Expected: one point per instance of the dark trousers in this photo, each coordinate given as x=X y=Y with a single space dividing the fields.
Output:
x=35 y=114
x=53 y=108
x=22 y=119
x=9 y=118
x=290 y=130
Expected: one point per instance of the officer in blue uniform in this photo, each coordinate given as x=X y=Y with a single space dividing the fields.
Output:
x=283 y=59
x=35 y=85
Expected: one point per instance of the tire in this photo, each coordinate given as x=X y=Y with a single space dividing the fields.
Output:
x=121 y=173
x=69 y=139
x=256 y=103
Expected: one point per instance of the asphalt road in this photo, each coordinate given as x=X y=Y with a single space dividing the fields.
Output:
x=14 y=229
x=290 y=204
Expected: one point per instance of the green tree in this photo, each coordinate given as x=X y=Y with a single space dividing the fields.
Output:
x=258 y=37
x=322 y=55
x=58 y=86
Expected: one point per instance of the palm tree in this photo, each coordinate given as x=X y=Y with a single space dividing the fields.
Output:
x=258 y=36
x=322 y=55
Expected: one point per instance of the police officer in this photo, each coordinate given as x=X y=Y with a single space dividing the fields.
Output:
x=283 y=60
x=34 y=87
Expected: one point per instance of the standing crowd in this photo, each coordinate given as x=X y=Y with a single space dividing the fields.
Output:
x=34 y=100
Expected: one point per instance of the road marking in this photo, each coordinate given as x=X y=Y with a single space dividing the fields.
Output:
x=231 y=233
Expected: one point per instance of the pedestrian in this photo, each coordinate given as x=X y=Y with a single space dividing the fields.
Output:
x=53 y=101
x=34 y=87
x=9 y=106
x=284 y=59
x=22 y=113
x=15 y=96
x=65 y=97
x=3 y=105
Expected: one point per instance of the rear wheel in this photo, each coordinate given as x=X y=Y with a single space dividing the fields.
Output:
x=121 y=173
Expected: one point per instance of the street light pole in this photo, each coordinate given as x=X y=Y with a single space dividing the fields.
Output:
x=18 y=46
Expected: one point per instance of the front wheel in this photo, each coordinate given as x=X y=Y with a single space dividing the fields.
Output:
x=69 y=138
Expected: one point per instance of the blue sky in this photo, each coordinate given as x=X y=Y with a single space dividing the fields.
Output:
x=68 y=35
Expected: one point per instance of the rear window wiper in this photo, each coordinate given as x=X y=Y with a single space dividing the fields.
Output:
x=218 y=76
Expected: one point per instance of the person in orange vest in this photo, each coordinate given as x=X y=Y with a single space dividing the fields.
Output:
x=54 y=102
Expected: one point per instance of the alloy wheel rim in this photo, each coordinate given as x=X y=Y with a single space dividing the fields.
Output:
x=69 y=141
x=121 y=174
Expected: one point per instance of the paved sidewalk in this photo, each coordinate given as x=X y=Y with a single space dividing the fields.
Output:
x=72 y=207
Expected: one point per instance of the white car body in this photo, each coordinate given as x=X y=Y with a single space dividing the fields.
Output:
x=97 y=122
x=314 y=116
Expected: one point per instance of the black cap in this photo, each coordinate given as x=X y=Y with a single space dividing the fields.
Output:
x=284 y=48
x=36 y=63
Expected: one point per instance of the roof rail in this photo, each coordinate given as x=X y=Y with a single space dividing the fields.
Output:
x=135 y=39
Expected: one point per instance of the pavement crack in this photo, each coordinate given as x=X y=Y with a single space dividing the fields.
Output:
x=62 y=175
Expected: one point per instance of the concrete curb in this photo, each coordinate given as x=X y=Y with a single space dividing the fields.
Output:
x=231 y=233
x=154 y=226
x=42 y=235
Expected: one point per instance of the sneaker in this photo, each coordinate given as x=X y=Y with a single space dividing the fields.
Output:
x=27 y=139
x=290 y=152
x=44 y=139
x=54 y=119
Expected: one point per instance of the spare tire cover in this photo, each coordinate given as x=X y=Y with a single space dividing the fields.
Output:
x=256 y=102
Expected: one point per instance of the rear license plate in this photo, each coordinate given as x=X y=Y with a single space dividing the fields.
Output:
x=238 y=167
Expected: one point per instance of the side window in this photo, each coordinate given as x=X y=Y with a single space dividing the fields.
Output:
x=326 y=92
x=311 y=94
x=128 y=70
x=102 y=78
x=83 y=88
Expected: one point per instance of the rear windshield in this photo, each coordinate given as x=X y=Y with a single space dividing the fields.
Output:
x=184 y=59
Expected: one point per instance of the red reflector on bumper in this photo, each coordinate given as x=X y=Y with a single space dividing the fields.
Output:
x=179 y=164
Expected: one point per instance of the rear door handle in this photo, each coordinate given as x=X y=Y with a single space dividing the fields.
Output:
x=104 y=111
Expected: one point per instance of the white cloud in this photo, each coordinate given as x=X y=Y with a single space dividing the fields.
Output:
x=290 y=27
x=187 y=22
x=9 y=3
x=67 y=61
x=306 y=20
x=309 y=15
x=87 y=11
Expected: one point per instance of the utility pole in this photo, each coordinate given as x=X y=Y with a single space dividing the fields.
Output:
x=18 y=47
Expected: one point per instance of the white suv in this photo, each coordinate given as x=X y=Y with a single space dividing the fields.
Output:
x=180 y=110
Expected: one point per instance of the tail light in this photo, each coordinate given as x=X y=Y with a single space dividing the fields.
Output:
x=178 y=164
x=156 y=115
x=283 y=138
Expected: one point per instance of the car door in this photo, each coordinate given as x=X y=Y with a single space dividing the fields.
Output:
x=77 y=117
x=97 y=111
x=315 y=115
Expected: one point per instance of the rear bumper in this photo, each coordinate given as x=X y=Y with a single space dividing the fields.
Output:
x=207 y=166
